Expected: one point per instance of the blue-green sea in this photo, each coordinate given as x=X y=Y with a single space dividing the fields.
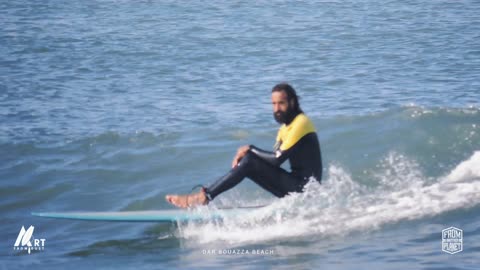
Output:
x=109 y=105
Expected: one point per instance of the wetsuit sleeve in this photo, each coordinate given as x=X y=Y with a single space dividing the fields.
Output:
x=275 y=158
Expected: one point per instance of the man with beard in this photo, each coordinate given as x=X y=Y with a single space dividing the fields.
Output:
x=296 y=141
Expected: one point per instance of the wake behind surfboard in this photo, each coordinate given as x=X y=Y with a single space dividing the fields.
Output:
x=165 y=216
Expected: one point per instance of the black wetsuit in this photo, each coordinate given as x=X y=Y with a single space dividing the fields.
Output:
x=296 y=142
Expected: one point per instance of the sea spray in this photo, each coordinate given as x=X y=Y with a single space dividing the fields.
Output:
x=340 y=206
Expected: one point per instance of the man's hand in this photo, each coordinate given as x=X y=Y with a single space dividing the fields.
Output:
x=241 y=152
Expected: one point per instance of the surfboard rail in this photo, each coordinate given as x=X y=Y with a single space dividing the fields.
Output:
x=174 y=215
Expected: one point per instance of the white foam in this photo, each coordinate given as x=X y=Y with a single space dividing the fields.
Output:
x=341 y=206
x=466 y=170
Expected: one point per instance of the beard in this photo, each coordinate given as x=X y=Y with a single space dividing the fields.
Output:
x=284 y=117
x=280 y=117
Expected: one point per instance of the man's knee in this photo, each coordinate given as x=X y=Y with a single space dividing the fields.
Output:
x=250 y=160
x=246 y=158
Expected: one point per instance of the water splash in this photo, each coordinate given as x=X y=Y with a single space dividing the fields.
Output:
x=341 y=206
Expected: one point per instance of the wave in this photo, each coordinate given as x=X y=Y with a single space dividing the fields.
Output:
x=342 y=206
x=135 y=169
x=73 y=129
x=436 y=138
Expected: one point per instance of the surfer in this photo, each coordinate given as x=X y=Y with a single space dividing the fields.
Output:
x=296 y=141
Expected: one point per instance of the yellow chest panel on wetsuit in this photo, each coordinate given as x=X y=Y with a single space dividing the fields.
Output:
x=289 y=135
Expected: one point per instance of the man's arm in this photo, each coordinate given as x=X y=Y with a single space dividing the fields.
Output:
x=275 y=158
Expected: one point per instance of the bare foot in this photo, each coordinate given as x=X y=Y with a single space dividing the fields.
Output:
x=189 y=200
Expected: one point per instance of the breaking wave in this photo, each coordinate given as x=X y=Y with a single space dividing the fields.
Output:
x=341 y=206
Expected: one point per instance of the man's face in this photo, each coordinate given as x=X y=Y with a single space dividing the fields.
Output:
x=280 y=106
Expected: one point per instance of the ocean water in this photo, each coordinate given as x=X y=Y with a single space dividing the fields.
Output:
x=110 y=105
